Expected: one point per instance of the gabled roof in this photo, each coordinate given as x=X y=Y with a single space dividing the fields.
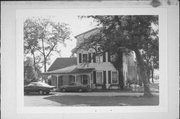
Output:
x=81 y=37
x=86 y=32
x=71 y=70
x=60 y=63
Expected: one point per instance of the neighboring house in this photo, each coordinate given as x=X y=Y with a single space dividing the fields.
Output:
x=94 y=70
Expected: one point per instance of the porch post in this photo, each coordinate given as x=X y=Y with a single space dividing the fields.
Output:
x=57 y=80
x=75 y=78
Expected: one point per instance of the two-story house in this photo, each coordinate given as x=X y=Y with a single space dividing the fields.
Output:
x=88 y=68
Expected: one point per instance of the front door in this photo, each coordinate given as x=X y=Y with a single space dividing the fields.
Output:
x=84 y=79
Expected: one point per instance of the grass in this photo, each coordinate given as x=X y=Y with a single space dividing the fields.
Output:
x=104 y=100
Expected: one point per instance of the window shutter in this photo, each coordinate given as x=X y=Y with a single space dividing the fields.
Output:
x=94 y=58
x=89 y=57
x=109 y=58
x=94 y=77
x=104 y=75
x=109 y=77
x=80 y=58
x=104 y=56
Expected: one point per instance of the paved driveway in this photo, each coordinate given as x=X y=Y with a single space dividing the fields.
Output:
x=90 y=99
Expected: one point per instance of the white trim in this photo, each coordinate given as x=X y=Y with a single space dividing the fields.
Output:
x=106 y=56
x=57 y=78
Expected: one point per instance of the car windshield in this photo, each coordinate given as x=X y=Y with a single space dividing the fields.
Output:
x=31 y=84
x=42 y=84
x=38 y=84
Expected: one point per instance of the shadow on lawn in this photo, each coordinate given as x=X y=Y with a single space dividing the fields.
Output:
x=105 y=100
x=36 y=94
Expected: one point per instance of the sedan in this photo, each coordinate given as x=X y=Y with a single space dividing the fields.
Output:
x=40 y=87
x=75 y=87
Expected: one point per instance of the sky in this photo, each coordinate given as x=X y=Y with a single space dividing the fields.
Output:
x=77 y=26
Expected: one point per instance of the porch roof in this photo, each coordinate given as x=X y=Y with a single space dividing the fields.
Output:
x=71 y=70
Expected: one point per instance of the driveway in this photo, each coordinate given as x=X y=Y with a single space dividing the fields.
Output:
x=90 y=99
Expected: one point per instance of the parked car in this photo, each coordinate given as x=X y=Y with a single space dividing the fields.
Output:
x=75 y=87
x=40 y=87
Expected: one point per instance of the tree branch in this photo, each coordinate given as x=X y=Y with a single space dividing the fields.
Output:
x=50 y=50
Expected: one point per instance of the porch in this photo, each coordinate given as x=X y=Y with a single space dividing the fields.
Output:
x=59 y=80
x=70 y=75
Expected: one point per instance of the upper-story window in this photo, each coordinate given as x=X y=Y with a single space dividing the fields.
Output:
x=85 y=58
x=93 y=57
x=99 y=58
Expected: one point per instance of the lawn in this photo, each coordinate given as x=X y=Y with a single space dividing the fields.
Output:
x=104 y=100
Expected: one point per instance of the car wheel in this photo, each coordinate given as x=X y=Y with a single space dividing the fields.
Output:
x=63 y=90
x=41 y=92
x=80 y=90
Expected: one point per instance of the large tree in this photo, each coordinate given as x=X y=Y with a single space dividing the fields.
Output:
x=120 y=34
x=151 y=57
x=31 y=40
x=42 y=37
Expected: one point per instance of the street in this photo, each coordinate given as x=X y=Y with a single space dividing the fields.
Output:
x=90 y=99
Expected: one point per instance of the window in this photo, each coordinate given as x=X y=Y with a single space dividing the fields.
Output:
x=99 y=58
x=71 y=79
x=114 y=77
x=84 y=79
x=99 y=78
x=85 y=59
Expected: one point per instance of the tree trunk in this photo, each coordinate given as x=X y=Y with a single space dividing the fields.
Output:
x=34 y=59
x=118 y=64
x=152 y=75
x=44 y=55
x=148 y=75
x=143 y=73
x=120 y=69
x=44 y=64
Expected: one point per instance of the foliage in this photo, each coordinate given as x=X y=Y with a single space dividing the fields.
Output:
x=30 y=74
x=41 y=38
x=135 y=33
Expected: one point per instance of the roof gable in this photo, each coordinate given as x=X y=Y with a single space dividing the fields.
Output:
x=88 y=33
x=60 y=63
x=84 y=36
